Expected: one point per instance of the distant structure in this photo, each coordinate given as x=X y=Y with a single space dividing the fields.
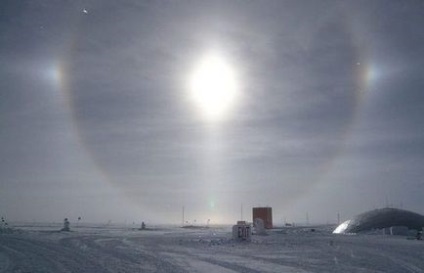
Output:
x=263 y=213
x=66 y=225
x=380 y=219
x=4 y=227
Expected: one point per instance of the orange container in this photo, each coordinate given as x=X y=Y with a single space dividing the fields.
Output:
x=264 y=213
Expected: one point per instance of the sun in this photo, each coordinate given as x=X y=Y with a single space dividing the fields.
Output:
x=213 y=86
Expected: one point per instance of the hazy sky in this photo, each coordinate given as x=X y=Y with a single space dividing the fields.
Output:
x=98 y=120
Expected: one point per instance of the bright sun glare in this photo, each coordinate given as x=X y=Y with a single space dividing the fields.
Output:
x=213 y=86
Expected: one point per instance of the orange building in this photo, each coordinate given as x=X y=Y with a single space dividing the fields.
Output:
x=264 y=213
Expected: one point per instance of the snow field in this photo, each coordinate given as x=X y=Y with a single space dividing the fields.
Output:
x=172 y=249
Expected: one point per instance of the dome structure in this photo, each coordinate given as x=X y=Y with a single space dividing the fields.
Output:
x=382 y=218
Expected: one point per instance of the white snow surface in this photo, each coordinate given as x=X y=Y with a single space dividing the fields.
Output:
x=96 y=248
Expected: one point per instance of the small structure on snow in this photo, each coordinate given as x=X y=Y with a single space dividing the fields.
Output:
x=259 y=226
x=4 y=226
x=242 y=231
x=66 y=225
x=143 y=226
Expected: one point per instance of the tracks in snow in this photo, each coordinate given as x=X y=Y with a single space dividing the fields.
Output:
x=174 y=252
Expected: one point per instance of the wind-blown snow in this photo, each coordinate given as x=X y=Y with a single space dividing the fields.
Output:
x=167 y=249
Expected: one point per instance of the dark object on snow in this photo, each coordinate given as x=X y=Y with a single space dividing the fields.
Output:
x=382 y=218
x=66 y=225
x=143 y=226
x=4 y=226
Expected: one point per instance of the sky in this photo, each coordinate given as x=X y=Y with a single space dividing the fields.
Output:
x=318 y=113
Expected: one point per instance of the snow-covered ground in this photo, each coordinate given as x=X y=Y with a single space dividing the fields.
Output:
x=91 y=248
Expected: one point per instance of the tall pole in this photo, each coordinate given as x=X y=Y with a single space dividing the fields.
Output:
x=183 y=216
x=241 y=212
